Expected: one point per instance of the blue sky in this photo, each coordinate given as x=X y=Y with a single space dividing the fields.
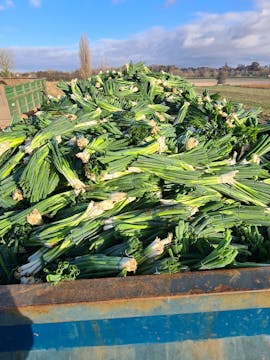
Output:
x=44 y=34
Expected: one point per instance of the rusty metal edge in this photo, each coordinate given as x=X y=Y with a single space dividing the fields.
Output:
x=131 y=287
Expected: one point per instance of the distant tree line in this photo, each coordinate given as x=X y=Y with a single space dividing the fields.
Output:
x=252 y=70
x=55 y=75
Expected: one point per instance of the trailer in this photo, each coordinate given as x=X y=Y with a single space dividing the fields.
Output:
x=208 y=315
x=20 y=96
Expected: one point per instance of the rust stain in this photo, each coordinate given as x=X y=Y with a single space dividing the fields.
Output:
x=223 y=288
x=195 y=291
x=39 y=310
x=139 y=287
x=145 y=307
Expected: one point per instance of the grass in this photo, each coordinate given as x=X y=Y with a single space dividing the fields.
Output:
x=250 y=97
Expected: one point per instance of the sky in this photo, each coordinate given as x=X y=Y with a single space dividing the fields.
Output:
x=44 y=34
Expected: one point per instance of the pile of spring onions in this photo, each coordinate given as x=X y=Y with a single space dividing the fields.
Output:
x=132 y=172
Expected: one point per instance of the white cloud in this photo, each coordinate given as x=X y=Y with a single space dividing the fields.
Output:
x=6 y=4
x=209 y=40
x=248 y=41
x=35 y=3
x=44 y=58
x=262 y=4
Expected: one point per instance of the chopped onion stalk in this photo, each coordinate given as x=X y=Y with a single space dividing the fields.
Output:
x=101 y=265
x=134 y=169
x=156 y=247
x=59 y=126
x=40 y=259
x=162 y=147
x=222 y=255
x=82 y=142
x=76 y=183
x=97 y=208
x=154 y=126
x=228 y=178
x=10 y=139
x=34 y=218
x=90 y=176
x=128 y=264
x=255 y=158
x=115 y=175
x=117 y=196
x=39 y=177
x=58 y=138
x=191 y=143
x=193 y=210
x=63 y=166
x=53 y=233
x=84 y=156
x=17 y=195
x=47 y=206
x=10 y=164
x=230 y=162
x=4 y=146
x=167 y=265
x=98 y=144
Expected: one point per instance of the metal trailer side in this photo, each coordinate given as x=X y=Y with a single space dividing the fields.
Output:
x=5 y=116
x=223 y=314
x=19 y=99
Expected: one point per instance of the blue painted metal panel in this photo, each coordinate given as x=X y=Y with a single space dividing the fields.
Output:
x=137 y=330
x=146 y=318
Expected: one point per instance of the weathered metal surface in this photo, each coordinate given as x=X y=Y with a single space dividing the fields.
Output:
x=19 y=99
x=25 y=97
x=4 y=109
x=189 y=283
x=206 y=315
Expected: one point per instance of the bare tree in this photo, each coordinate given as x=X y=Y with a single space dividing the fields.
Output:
x=223 y=74
x=85 y=57
x=6 y=62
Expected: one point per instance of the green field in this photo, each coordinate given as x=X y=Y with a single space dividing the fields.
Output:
x=250 y=97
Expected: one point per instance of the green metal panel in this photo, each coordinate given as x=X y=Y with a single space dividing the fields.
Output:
x=27 y=87
x=10 y=91
x=4 y=113
x=22 y=104
x=29 y=102
x=25 y=97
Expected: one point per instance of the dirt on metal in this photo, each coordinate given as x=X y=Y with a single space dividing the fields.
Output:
x=206 y=282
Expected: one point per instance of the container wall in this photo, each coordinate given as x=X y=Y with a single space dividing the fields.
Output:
x=4 y=108
x=184 y=316
x=25 y=97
